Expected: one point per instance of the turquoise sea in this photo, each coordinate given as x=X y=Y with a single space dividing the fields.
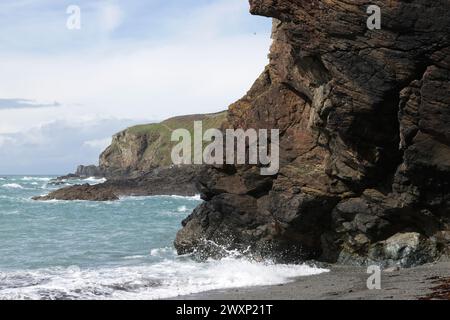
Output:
x=110 y=250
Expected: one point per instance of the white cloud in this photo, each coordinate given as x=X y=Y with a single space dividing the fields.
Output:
x=110 y=16
x=25 y=104
x=146 y=82
x=6 y=140
x=199 y=66
x=57 y=147
x=98 y=144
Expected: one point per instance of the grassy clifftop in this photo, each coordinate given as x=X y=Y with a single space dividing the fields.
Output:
x=145 y=147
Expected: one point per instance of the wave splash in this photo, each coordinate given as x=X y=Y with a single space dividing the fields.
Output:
x=169 y=278
x=44 y=179
x=132 y=274
x=13 y=186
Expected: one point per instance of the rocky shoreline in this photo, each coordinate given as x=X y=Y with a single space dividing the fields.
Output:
x=138 y=163
x=163 y=181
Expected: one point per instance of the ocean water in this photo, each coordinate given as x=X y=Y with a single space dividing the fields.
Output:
x=111 y=250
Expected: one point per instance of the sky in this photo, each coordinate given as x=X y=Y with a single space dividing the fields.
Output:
x=64 y=93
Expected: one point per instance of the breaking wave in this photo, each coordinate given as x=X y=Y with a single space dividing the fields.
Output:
x=13 y=186
x=169 y=278
x=118 y=250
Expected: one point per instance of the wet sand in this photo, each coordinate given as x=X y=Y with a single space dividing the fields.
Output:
x=345 y=283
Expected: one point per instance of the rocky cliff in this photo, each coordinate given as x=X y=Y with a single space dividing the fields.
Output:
x=141 y=149
x=364 y=117
x=138 y=163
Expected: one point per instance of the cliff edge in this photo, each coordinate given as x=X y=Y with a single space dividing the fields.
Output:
x=143 y=148
x=364 y=140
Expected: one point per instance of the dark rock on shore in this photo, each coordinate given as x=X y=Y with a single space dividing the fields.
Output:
x=90 y=171
x=163 y=181
x=81 y=192
x=83 y=172
x=364 y=140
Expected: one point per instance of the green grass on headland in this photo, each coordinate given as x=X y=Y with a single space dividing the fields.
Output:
x=148 y=146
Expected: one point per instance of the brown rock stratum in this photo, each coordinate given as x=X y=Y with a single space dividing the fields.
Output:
x=364 y=119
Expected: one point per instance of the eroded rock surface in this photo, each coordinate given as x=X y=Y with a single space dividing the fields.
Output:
x=364 y=117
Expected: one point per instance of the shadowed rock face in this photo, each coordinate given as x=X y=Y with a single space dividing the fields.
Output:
x=364 y=118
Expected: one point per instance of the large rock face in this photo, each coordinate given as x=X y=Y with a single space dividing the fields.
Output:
x=364 y=117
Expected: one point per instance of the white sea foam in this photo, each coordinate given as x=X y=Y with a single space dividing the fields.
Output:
x=36 y=179
x=160 y=252
x=94 y=180
x=13 y=186
x=56 y=201
x=169 y=278
x=137 y=256
x=10 y=213
x=194 y=198
x=134 y=198
x=182 y=209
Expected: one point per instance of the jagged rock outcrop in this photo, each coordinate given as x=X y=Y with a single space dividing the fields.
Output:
x=82 y=172
x=89 y=171
x=364 y=117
